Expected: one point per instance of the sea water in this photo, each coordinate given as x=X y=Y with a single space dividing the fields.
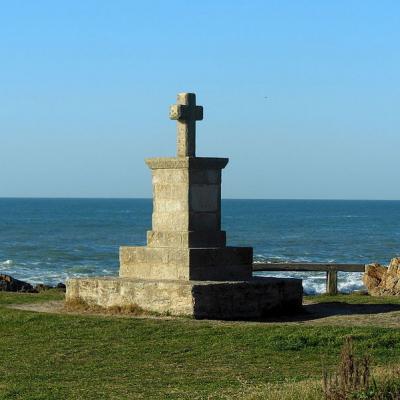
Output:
x=49 y=240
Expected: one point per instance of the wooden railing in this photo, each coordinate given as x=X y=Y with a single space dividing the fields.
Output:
x=330 y=269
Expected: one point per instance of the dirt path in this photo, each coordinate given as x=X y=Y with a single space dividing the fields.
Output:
x=53 y=307
x=330 y=313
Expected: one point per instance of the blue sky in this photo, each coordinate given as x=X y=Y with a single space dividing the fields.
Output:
x=85 y=88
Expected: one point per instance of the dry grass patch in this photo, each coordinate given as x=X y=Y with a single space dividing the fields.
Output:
x=83 y=307
x=304 y=390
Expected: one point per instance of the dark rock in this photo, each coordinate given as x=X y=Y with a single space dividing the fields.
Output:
x=10 y=284
x=61 y=286
x=40 y=287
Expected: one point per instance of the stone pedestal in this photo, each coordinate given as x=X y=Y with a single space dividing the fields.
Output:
x=253 y=299
x=186 y=242
x=186 y=267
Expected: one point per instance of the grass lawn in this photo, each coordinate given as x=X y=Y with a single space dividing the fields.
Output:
x=61 y=356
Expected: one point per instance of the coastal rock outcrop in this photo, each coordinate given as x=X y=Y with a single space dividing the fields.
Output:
x=10 y=284
x=382 y=281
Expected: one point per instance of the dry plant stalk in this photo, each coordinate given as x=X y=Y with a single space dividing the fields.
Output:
x=352 y=375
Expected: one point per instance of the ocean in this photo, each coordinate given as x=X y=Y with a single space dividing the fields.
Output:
x=49 y=240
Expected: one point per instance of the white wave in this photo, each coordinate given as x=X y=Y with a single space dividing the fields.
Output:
x=315 y=282
x=261 y=259
x=7 y=263
x=312 y=288
x=108 y=272
x=301 y=260
x=349 y=282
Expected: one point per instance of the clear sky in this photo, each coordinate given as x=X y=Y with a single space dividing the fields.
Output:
x=85 y=88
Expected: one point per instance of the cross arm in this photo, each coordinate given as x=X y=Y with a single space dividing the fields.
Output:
x=183 y=112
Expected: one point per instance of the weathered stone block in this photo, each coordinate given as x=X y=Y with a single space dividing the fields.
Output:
x=172 y=176
x=187 y=194
x=205 y=198
x=221 y=256
x=170 y=221
x=252 y=299
x=169 y=205
x=193 y=163
x=186 y=239
x=234 y=263
x=207 y=177
x=204 y=221
x=169 y=191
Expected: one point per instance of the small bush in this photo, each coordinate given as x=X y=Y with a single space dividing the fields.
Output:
x=353 y=380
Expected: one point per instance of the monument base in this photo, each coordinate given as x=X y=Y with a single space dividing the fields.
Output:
x=228 y=300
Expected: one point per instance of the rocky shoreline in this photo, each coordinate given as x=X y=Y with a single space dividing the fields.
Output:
x=10 y=284
x=381 y=280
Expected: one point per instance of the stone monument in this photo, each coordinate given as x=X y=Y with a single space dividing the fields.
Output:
x=186 y=267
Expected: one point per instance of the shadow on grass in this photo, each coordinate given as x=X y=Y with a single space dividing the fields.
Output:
x=316 y=311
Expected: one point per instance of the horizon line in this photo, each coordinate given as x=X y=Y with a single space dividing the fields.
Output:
x=150 y=198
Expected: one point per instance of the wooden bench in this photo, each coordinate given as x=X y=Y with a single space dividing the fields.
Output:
x=331 y=270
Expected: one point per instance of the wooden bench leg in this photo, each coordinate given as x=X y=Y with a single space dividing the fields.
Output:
x=331 y=282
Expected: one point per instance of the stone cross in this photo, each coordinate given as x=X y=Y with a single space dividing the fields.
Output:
x=186 y=113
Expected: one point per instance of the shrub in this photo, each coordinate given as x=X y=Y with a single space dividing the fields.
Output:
x=352 y=379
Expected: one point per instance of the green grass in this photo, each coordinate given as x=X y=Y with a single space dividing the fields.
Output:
x=21 y=298
x=353 y=298
x=46 y=356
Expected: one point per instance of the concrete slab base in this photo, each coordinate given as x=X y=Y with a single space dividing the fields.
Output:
x=228 y=300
